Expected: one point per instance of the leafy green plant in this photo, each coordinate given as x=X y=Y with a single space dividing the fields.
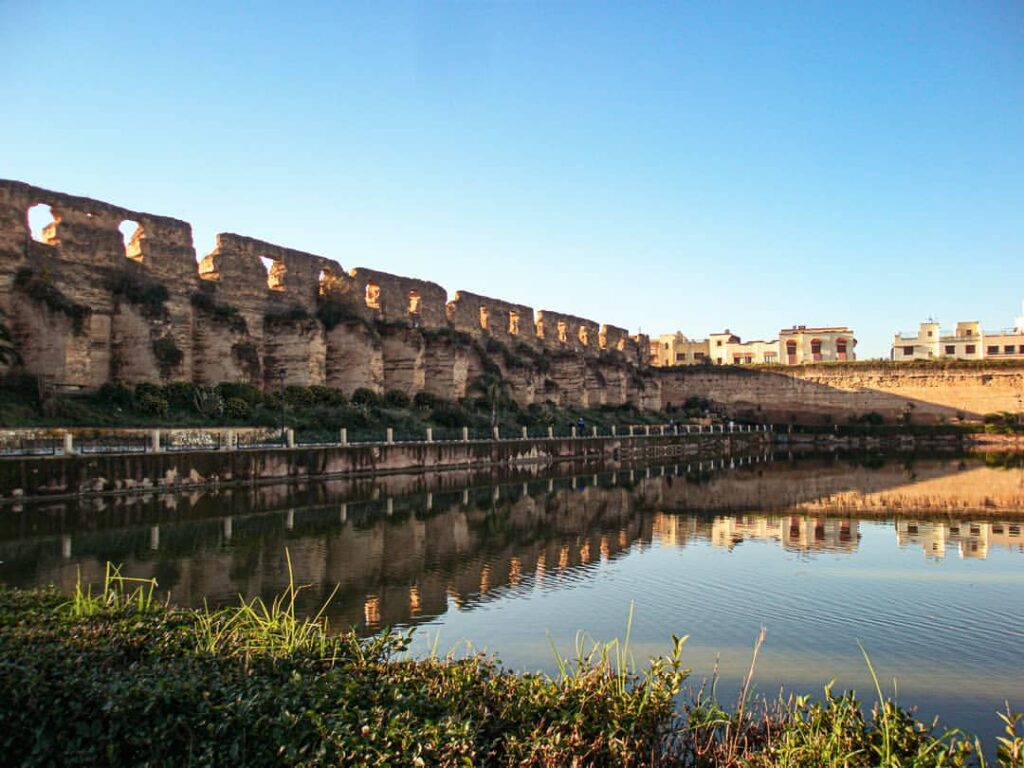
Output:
x=168 y=355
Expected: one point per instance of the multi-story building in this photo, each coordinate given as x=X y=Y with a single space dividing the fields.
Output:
x=800 y=344
x=795 y=346
x=676 y=349
x=968 y=341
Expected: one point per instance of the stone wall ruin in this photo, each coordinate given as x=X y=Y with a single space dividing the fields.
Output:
x=107 y=294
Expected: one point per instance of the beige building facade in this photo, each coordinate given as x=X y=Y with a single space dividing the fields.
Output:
x=967 y=341
x=795 y=346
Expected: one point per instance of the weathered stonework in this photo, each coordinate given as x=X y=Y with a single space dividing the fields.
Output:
x=87 y=305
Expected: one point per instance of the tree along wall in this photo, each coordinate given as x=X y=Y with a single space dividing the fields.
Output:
x=103 y=294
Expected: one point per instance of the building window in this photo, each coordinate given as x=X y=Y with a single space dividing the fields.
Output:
x=969 y=349
x=950 y=349
x=908 y=350
x=929 y=334
x=992 y=350
x=969 y=332
x=718 y=343
x=1009 y=349
x=666 y=345
x=680 y=356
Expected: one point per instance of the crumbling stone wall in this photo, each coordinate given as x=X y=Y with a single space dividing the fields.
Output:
x=86 y=306
x=481 y=316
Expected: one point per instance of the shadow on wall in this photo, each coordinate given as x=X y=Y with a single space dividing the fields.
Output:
x=842 y=393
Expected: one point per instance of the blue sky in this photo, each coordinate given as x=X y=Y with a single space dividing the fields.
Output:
x=658 y=166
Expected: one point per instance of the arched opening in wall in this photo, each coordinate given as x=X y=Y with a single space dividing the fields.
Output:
x=816 y=349
x=372 y=295
x=42 y=223
x=275 y=273
x=840 y=348
x=791 y=351
x=513 y=322
x=414 y=302
x=602 y=340
x=483 y=318
x=323 y=282
x=620 y=345
x=563 y=331
x=131 y=233
x=584 y=335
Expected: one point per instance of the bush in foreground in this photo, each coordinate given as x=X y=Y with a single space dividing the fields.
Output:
x=117 y=679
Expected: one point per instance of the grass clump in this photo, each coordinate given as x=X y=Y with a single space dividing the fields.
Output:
x=109 y=679
x=116 y=677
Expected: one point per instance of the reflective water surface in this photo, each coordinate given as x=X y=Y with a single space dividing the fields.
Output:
x=921 y=561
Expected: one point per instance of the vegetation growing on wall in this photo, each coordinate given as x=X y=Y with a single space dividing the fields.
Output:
x=204 y=301
x=168 y=355
x=36 y=284
x=148 y=296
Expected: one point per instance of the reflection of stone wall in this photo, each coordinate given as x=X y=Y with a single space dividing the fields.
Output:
x=81 y=307
x=405 y=548
x=837 y=392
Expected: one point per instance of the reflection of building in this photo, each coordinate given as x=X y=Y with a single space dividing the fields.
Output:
x=796 y=532
x=968 y=341
x=793 y=532
x=972 y=539
x=795 y=346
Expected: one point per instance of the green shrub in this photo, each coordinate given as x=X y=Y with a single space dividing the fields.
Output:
x=181 y=394
x=446 y=414
x=248 y=393
x=367 y=397
x=425 y=400
x=298 y=397
x=115 y=394
x=328 y=396
x=152 y=404
x=396 y=398
x=237 y=408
